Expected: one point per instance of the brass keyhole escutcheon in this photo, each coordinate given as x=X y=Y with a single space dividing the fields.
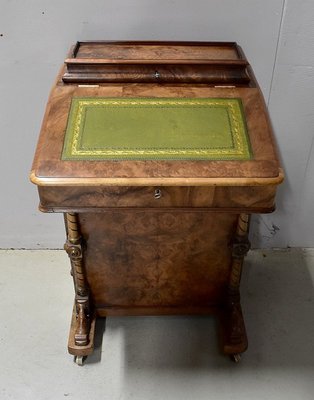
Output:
x=157 y=194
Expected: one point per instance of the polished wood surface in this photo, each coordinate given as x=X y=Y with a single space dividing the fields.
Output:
x=79 y=349
x=148 y=259
x=169 y=62
x=235 y=198
x=83 y=307
x=48 y=165
x=156 y=237
x=145 y=50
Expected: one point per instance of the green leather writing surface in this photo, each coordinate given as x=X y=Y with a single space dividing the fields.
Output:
x=156 y=129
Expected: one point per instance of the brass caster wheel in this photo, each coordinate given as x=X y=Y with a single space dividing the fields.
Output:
x=79 y=360
x=236 y=357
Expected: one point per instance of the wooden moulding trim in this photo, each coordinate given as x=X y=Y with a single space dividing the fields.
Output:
x=90 y=61
x=160 y=181
x=103 y=311
x=232 y=210
x=156 y=43
x=75 y=48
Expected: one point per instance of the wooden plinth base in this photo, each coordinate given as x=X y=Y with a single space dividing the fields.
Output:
x=233 y=333
x=81 y=350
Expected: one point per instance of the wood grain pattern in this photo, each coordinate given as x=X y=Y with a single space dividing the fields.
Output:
x=235 y=337
x=83 y=309
x=135 y=50
x=154 y=72
x=166 y=259
x=47 y=164
x=156 y=237
x=255 y=198
x=133 y=62
x=73 y=347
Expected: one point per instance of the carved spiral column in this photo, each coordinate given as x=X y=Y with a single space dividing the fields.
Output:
x=240 y=247
x=74 y=248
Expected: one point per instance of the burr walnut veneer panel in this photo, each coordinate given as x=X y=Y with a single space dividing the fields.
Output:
x=165 y=259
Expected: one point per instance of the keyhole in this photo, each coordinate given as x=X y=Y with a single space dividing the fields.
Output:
x=157 y=194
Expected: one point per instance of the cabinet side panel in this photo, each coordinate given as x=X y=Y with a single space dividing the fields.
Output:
x=166 y=259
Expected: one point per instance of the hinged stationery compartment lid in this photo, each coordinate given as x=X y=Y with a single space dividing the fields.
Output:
x=162 y=62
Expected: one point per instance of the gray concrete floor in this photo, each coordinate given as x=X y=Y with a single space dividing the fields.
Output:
x=157 y=357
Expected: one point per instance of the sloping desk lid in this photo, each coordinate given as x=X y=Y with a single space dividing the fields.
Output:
x=184 y=136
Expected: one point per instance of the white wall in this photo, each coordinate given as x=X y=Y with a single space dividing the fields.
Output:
x=291 y=107
x=276 y=35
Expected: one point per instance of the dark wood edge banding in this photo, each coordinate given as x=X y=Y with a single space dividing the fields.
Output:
x=103 y=310
x=234 y=210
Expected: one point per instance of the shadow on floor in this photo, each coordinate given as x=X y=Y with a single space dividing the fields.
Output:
x=278 y=305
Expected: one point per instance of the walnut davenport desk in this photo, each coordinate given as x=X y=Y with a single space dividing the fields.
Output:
x=156 y=153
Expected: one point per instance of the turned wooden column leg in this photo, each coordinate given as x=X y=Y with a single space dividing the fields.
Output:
x=235 y=333
x=83 y=319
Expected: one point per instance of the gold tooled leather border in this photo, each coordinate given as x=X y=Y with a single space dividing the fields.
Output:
x=241 y=149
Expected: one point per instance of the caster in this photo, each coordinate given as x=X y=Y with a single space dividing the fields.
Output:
x=236 y=357
x=79 y=360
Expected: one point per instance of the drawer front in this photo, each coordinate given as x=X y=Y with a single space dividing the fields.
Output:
x=150 y=196
x=130 y=196
x=254 y=198
x=156 y=73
